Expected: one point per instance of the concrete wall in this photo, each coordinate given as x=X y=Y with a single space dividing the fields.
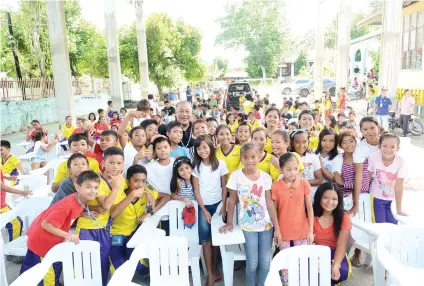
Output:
x=17 y=114
x=412 y=79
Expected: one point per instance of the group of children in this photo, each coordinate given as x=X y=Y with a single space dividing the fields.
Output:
x=273 y=171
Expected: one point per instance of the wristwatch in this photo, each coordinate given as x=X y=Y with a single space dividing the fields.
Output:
x=149 y=210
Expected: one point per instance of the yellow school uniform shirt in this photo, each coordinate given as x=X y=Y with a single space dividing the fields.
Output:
x=254 y=125
x=313 y=143
x=63 y=173
x=102 y=219
x=266 y=166
x=232 y=159
x=10 y=167
x=247 y=107
x=126 y=222
x=268 y=146
x=233 y=127
x=67 y=131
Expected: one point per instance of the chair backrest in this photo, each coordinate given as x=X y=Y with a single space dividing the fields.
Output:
x=406 y=244
x=29 y=208
x=168 y=261
x=81 y=262
x=176 y=222
x=3 y=276
x=235 y=214
x=306 y=265
x=33 y=182
x=364 y=211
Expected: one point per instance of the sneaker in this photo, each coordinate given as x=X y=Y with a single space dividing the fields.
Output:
x=18 y=259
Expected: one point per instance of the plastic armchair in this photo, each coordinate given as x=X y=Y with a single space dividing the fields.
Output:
x=4 y=219
x=231 y=244
x=168 y=261
x=81 y=265
x=306 y=265
x=400 y=251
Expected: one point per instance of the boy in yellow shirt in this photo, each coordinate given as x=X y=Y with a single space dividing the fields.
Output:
x=135 y=207
x=252 y=122
x=78 y=143
x=10 y=164
x=95 y=224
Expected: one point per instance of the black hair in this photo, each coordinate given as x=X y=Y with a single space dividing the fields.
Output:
x=68 y=116
x=212 y=156
x=293 y=135
x=387 y=134
x=334 y=152
x=293 y=123
x=209 y=119
x=77 y=137
x=160 y=139
x=340 y=115
x=135 y=129
x=249 y=97
x=147 y=122
x=123 y=108
x=303 y=103
x=333 y=121
x=37 y=136
x=143 y=105
x=5 y=144
x=92 y=113
x=246 y=147
x=88 y=176
x=35 y=121
x=109 y=102
x=282 y=133
x=175 y=175
x=230 y=114
x=242 y=117
x=266 y=101
x=166 y=101
x=150 y=96
x=305 y=112
x=370 y=119
x=73 y=157
x=272 y=109
x=112 y=151
x=162 y=129
x=346 y=133
x=136 y=169
x=221 y=126
x=100 y=111
x=338 y=212
x=173 y=124
x=115 y=112
x=81 y=119
x=109 y=132
x=285 y=158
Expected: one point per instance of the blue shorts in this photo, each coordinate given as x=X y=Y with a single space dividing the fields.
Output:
x=381 y=211
x=205 y=233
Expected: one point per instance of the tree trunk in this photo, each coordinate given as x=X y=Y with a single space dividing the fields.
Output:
x=263 y=74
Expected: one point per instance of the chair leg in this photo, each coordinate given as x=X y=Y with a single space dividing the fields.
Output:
x=195 y=271
x=349 y=245
x=205 y=269
x=368 y=259
x=228 y=268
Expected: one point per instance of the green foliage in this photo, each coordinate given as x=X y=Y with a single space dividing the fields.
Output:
x=375 y=55
x=220 y=67
x=172 y=49
x=260 y=28
x=358 y=56
x=301 y=63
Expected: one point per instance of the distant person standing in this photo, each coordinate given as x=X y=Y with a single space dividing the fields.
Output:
x=383 y=104
x=199 y=92
x=189 y=95
x=342 y=100
x=406 y=109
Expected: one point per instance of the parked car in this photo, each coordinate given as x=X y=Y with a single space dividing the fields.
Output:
x=328 y=85
x=299 y=86
x=235 y=90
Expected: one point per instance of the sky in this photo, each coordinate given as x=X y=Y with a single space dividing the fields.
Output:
x=300 y=14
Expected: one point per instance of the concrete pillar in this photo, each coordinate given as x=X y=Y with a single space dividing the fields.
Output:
x=60 y=59
x=390 y=52
x=343 y=43
x=114 y=62
x=364 y=63
x=142 y=51
x=292 y=70
x=319 y=53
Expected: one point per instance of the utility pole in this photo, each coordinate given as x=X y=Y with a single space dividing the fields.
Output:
x=15 y=55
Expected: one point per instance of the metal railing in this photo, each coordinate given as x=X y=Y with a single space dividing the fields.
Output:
x=27 y=89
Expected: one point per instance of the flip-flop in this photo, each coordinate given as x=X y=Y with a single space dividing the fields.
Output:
x=218 y=279
x=355 y=262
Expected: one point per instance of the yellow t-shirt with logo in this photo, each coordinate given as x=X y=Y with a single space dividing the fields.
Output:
x=313 y=143
x=233 y=127
x=10 y=167
x=67 y=131
x=254 y=125
x=232 y=159
x=102 y=219
x=126 y=222
x=268 y=146
x=62 y=171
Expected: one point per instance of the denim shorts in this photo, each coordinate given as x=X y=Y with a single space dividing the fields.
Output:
x=205 y=233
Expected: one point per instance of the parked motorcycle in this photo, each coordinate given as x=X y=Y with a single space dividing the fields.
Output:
x=356 y=93
x=415 y=125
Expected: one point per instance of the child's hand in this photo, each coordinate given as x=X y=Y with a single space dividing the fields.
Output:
x=310 y=238
x=354 y=210
x=338 y=178
x=72 y=238
x=143 y=218
x=225 y=228
x=208 y=216
x=116 y=181
x=140 y=155
x=188 y=202
x=25 y=194
x=97 y=209
x=223 y=213
x=335 y=272
x=274 y=161
x=138 y=193
x=278 y=239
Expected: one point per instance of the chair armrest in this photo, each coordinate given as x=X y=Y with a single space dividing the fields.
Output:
x=375 y=229
x=7 y=217
x=27 y=156
x=145 y=233
x=235 y=236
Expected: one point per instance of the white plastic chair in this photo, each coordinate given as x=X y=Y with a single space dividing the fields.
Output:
x=168 y=262
x=51 y=168
x=401 y=252
x=4 y=219
x=80 y=265
x=306 y=265
x=231 y=244
x=28 y=209
x=177 y=228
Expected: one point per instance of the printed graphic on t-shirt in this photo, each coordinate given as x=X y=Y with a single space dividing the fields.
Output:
x=253 y=214
x=386 y=181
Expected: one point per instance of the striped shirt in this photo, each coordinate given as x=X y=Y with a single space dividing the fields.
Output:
x=187 y=190
x=348 y=176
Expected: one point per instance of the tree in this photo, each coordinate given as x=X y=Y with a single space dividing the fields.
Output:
x=172 y=49
x=220 y=66
x=301 y=62
x=260 y=28
x=375 y=55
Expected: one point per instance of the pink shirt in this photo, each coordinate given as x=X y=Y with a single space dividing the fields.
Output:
x=384 y=177
x=407 y=105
